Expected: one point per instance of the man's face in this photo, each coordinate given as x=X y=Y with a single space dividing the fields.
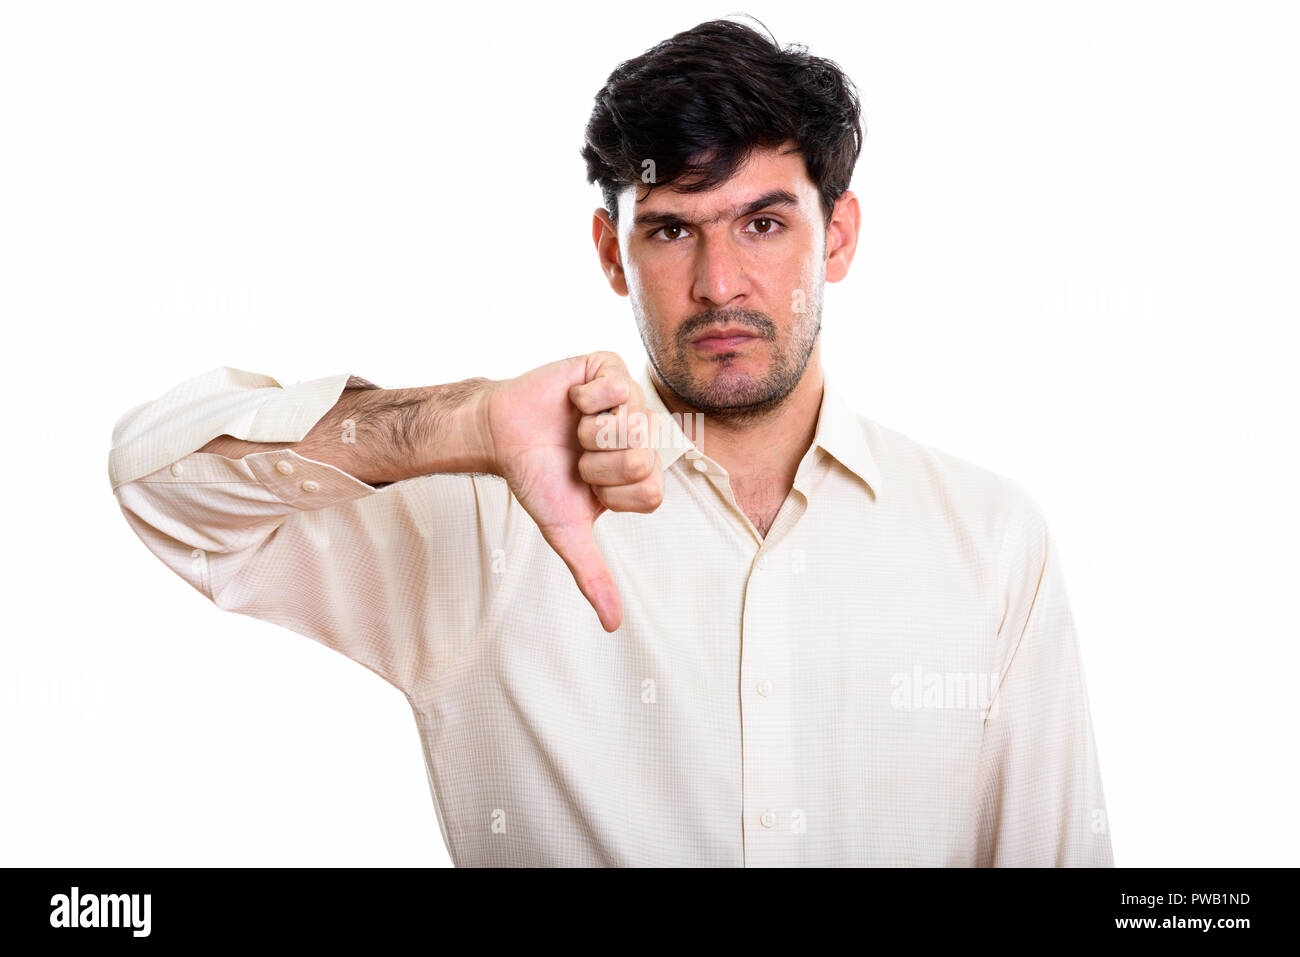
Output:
x=748 y=257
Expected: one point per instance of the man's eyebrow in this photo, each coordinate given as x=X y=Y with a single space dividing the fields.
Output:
x=776 y=197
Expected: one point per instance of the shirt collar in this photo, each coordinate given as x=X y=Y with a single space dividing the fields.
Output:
x=840 y=431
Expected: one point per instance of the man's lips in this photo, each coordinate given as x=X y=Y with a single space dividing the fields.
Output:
x=721 y=340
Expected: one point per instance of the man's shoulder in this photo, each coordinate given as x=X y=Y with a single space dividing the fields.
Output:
x=927 y=475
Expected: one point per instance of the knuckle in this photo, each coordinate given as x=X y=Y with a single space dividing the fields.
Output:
x=645 y=497
x=599 y=431
x=655 y=497
x=638 y=464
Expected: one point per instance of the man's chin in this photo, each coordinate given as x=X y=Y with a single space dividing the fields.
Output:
x=733 y=392
x=752 y=363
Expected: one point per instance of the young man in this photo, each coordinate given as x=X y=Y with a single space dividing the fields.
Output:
x=830 y=645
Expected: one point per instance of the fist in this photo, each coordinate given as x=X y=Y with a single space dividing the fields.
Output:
x=570 y=438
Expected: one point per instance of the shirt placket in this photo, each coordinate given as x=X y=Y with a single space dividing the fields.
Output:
x=771 y=819
x=766 y=738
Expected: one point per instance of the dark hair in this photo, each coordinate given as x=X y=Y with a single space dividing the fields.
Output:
x=698 y=103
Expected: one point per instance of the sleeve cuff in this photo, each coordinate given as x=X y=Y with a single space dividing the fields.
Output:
x=223 y=402
x=282 y=474
x=304 y=483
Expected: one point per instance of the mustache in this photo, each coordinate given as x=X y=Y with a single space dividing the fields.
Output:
x=761 y=325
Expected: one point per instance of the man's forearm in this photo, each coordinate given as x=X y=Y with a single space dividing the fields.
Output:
x=386 y=435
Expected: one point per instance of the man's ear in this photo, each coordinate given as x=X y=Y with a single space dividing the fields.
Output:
x=842 y=235
x=605 y=235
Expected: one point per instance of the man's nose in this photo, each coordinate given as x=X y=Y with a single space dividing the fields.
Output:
x=719 y=271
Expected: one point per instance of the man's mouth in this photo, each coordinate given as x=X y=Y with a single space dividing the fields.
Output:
x=722 y=339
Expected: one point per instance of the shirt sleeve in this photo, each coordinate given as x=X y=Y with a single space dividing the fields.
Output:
x=371 y=573
x=224 y=401
x=1039 y=799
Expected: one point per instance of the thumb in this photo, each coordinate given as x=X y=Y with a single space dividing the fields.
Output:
x=577 y=547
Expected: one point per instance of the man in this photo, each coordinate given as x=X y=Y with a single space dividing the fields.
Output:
x=827 y=644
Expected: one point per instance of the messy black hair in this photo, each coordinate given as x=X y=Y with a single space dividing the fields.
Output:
x=697 y=104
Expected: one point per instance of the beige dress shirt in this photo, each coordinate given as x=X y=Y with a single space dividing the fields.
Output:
x=890 y=677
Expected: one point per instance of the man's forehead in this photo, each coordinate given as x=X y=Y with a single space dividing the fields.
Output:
x=775 y=174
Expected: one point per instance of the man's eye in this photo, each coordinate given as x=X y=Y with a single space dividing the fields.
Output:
x=767 y=226
x=770 y=227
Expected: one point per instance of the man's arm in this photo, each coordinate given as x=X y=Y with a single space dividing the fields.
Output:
x=301 y=542
x=386 y=435
x=268 y=454
x=1039 y=798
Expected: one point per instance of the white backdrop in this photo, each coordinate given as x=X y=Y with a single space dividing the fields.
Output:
x=1077 y=268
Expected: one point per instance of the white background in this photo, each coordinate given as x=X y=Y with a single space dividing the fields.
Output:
x=1078 y=268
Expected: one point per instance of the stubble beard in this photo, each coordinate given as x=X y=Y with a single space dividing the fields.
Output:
x=723 y=391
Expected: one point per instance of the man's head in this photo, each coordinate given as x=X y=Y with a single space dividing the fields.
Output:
x=724 y=163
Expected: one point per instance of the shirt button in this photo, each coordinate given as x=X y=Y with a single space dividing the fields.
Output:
x=177 y=469
x=765 y=688
x=701 y=465
x=692 y=453
x=768 y=819
x=762 y=562
x=310 y=486
x=284 y=467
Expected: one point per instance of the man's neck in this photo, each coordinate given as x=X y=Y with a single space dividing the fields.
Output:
x=767 y=450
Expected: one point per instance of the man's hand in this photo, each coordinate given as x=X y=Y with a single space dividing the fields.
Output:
x=563 y=461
